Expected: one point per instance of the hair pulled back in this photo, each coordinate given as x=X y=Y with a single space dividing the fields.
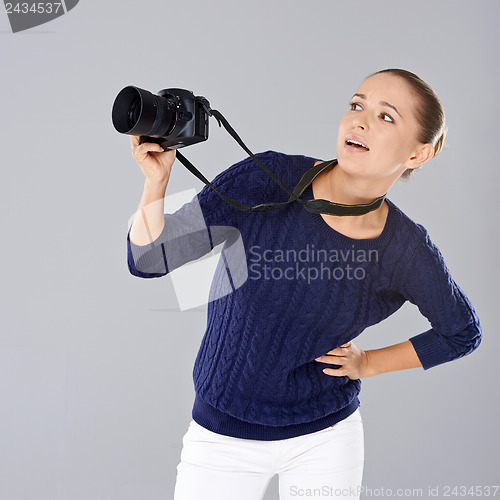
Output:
x=429 y=112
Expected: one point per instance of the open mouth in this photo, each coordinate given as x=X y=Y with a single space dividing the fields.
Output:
x=356 y=146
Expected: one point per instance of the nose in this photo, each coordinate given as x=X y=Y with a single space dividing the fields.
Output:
x=359 y=121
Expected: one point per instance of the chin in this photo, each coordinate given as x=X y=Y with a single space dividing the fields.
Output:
x=353 y=164
x=351 y=159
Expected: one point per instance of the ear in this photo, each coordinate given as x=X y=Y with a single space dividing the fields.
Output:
x=423 y=153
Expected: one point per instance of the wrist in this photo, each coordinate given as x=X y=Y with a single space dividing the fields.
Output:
x=153 y=194
x=156 y=184
x=154 y=189
x=370 y=369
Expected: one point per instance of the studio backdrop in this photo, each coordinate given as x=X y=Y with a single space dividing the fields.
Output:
x=95 y=363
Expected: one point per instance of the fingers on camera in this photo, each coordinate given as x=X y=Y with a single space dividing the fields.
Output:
x=150 y=147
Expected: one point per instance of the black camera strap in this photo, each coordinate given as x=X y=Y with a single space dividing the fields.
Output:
x=313 y=206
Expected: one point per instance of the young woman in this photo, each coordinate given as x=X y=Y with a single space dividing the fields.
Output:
x=277 y=376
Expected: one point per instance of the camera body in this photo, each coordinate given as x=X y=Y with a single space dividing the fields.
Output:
x=173 y=118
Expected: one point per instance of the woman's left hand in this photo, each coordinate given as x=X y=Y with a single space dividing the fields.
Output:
x=353 y=361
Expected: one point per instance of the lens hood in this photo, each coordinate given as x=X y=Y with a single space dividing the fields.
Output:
x=139 y=112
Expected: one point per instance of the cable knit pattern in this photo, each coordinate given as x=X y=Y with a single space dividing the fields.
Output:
x=309 y=290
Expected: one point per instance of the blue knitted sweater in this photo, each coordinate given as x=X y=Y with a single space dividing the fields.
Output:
x=289 y=288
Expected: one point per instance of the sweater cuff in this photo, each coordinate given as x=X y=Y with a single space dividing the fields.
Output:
x=430 y=349
x=148 y=261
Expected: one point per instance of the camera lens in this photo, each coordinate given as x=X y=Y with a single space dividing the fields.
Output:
x=139 y=112
x=134 y=113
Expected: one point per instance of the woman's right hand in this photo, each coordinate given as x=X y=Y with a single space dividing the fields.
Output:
x=155 y=163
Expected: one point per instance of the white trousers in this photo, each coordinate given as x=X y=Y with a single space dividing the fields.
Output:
x=324 y=464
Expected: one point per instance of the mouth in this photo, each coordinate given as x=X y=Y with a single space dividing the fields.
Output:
x=354 y=144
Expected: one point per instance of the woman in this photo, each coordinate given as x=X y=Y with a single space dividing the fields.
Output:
x=277 y=375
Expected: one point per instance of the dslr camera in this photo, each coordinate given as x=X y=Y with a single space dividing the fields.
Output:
x=173 y=118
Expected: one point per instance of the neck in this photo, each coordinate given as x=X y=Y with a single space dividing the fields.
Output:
x=339 y=187
x=348 y=189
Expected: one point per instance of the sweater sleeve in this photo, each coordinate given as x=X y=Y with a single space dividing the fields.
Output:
x=455 y=327
x=203 y=223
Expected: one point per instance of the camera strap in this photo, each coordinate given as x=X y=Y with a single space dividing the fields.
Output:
x=313 y=206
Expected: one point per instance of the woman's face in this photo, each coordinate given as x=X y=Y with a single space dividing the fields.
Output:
x=390 y=135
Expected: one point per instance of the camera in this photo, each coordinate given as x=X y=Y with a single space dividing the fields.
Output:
x=173 y=118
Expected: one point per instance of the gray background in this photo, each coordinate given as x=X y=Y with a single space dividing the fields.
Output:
x=95 y=364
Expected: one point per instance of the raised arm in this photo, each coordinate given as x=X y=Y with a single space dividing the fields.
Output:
x=156 y=165
x=157 y=242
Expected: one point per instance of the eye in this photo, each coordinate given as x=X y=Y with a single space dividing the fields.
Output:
x=390 y=117
x=354 y=104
